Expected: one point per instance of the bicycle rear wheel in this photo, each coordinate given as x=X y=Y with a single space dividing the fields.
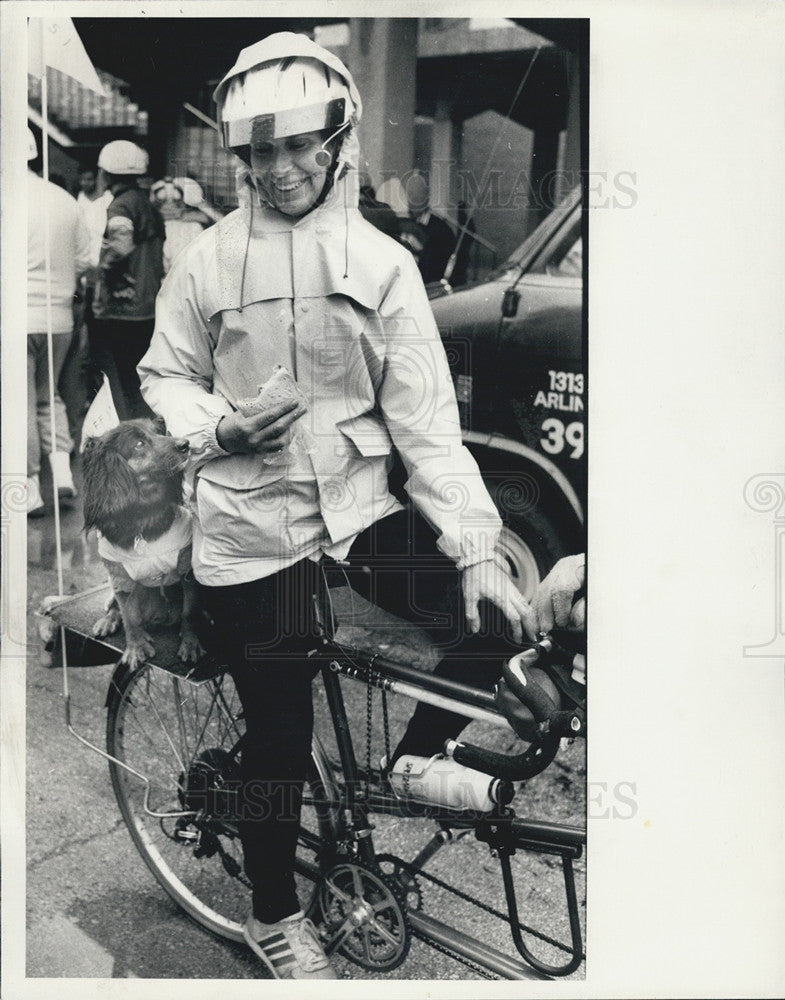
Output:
x=183 y=737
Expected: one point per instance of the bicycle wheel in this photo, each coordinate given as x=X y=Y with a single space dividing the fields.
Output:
x=183 y=738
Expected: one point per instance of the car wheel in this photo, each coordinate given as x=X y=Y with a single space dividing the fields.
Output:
x=531 y=540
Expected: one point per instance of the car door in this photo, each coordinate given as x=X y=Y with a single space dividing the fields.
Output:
x=541 y=384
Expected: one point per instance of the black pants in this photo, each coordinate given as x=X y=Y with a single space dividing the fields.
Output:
x=116 y=347
x=263 y=630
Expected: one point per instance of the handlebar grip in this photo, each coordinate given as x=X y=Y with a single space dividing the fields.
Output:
x=570 y=723
x=525 y=687
x=525 y=765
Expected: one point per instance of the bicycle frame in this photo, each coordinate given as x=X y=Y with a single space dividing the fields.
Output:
x=353 y=801
x=353 y=807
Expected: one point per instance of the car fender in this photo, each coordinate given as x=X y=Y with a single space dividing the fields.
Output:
x=553 y=474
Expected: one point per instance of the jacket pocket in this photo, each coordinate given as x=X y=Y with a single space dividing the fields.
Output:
x=369 y=436
x=241 y=472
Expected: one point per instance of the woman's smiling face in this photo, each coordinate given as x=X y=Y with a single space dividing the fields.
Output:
x=288 y=171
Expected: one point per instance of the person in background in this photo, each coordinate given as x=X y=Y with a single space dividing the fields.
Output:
x=81 y=377
x=194 y=197
x=435 y=235
x=178 y=200
x=560 y=599
x=377 y=212
x=130 y=269
x=69 y=256
x=463 y=248
x=93 y=204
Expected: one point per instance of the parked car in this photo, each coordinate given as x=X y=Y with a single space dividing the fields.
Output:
x=516 y=346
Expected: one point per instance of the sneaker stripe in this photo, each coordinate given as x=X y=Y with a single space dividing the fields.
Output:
x=282 y=963
x=277 y=950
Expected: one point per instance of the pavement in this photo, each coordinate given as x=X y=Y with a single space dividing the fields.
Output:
x=95 y=911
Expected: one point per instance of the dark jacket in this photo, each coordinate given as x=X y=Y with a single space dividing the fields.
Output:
x=131 y=262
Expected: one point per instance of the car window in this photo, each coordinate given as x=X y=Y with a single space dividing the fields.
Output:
x=571 y=264
x=563 y=254
x=540 y=243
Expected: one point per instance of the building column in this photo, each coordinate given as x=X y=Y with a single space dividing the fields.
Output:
x=445 y=151
x=383 y=62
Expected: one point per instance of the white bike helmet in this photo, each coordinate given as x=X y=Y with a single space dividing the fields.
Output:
x=284 y=85
x=193 y=196
x=123 y=157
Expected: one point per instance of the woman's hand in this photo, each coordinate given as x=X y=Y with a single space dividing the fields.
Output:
x=264 y=433
x=489 y=581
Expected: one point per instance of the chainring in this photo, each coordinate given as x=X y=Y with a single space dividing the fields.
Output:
x=405 y=881
x=363 y=915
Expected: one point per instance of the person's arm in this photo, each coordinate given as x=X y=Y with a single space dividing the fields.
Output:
x=82 y=255
x=118 y=242
x=176 y=373
x=416 y=397
x=417 y=400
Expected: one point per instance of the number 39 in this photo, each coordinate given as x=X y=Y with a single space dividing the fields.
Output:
x=558 y=435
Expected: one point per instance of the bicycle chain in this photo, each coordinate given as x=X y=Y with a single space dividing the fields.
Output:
x=419 y=873
x=369 y=721
x=392 y=859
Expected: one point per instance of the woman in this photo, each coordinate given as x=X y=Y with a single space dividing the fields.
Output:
x=296 y=277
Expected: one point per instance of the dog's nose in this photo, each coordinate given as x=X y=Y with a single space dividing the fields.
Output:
x=181 y=445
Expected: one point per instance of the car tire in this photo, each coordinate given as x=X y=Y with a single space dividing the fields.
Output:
x=532 y=539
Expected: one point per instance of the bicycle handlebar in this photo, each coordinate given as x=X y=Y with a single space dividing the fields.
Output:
x=552 y=724
x=512 y=768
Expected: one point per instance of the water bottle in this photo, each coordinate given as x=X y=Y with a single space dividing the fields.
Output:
x=440 y=781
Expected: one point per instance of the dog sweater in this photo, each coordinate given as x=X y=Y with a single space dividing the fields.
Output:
x=159 y=563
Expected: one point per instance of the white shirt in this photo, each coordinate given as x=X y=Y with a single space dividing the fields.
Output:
x=69 y=254
x=158 y=563
x=93 y=212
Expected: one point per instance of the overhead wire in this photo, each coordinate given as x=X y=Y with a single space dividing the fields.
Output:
x=488 y=163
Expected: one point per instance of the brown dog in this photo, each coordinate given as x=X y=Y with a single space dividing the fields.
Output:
x=133 y=492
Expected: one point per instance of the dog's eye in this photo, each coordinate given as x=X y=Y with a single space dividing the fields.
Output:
x=139 y=444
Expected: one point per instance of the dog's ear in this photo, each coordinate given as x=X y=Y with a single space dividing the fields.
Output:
x=109 y=482
x=159 y=425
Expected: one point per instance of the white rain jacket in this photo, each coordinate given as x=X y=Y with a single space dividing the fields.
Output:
x=344 y=308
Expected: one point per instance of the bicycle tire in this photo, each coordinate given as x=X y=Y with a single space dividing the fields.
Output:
x=137 y=734
x=144 y=731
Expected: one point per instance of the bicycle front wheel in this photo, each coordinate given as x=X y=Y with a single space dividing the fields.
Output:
x=183 y=739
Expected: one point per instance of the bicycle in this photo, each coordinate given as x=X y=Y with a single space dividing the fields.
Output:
x=173 y=738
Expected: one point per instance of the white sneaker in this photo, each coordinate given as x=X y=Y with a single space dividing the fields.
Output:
x=289 y=948
x=61 y=475
x=35 y=503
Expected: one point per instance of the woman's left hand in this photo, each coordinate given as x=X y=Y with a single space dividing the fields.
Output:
x=489 y=581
